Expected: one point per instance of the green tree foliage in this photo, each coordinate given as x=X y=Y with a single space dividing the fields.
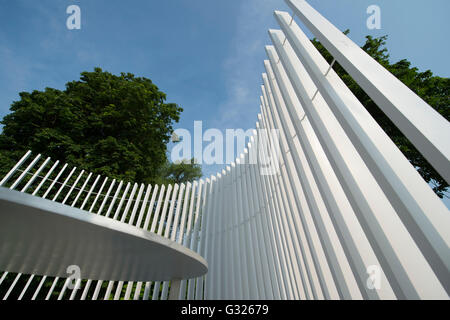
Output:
x=179 y=172
x=116 y=126
x=432 y=89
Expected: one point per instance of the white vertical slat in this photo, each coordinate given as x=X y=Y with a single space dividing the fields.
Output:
x=122 y=200
x=55 y=180
x=128 y=290
x=25 y=288
x=185 y=233
x=210 y=215
x=175 y=201
x=136 y=204
x=183 y=222
x=240 y=281
x=106 y=196
x=176 y=220
x=250 y=272
x=45 y=178
x=89 y=192
x=171 y=231
x=118 y=292
x=97 y=290
x=228 y=262
x=161 y=224
x=71 y=188
x=211 y=238
x=11 y=287
x=193 y=239
x=122 y=219
x=80 y=192
x=201 y=234
x=99 y=193
x=108 y=290
x=137 y=290
x=146 y=291
x=250 y=254
x=138 y=224
x=36 y=292
x=63 y=290
x=146 y=224
x=113 y=200
x=144 y=206
x=75 y=290
x=235 y=279
x=35 y=175
x=215 y=233
x=86 y=289
x=25 y=172
x=5 y=273
x=150 y=208
x=16 y=166
x=158 y=206
x=222 y=283
x=129 y=203
x=153 y=228
x=251 y=216
x=50 y=291
x=243 y=245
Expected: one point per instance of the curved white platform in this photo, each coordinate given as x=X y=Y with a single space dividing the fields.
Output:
x=39 y=236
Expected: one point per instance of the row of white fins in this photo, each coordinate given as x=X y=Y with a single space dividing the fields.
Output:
x=346 y=216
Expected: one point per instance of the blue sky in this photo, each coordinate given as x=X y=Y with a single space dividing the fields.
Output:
x=207 y=55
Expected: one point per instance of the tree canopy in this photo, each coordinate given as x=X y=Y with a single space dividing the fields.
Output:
x=432 y=89
x=114 y=125
x=179 y=172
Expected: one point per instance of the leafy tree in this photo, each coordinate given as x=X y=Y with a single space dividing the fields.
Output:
x=113 y=125
x=432 y=89
x=179 y=172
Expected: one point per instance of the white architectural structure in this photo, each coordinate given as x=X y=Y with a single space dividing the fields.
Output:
x=346 y=216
